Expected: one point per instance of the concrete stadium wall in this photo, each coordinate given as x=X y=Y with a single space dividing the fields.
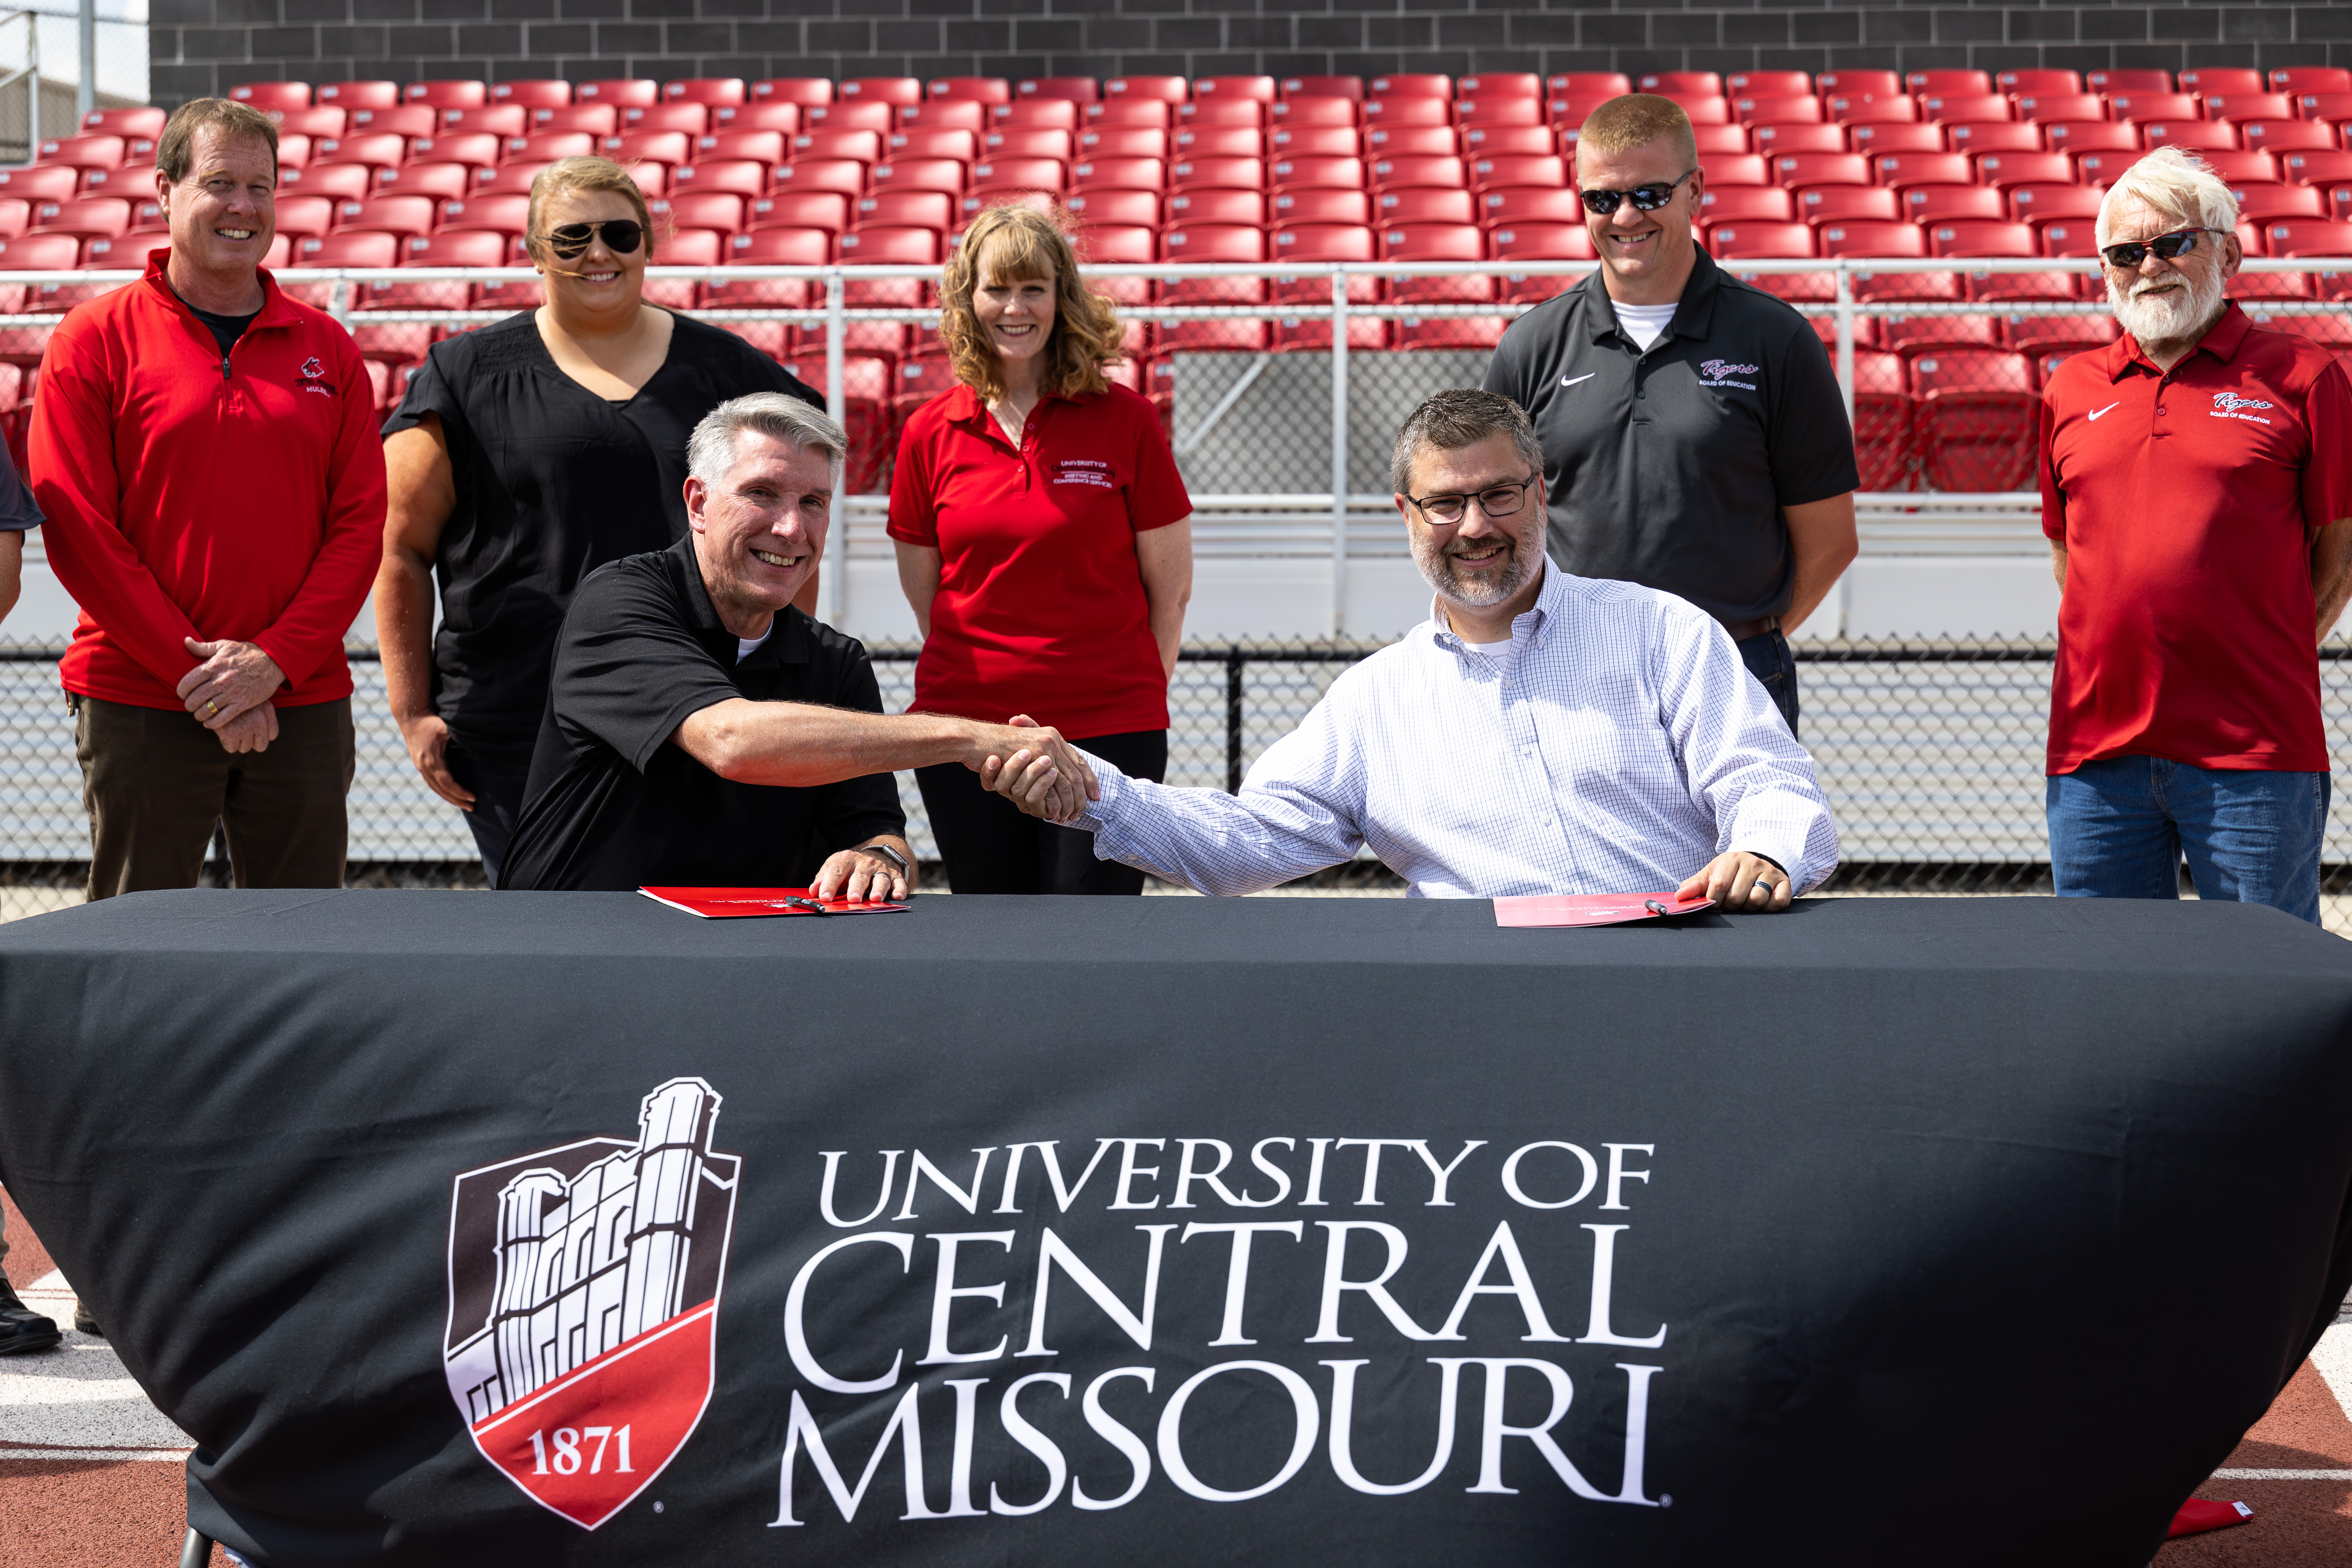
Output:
x=202 y=46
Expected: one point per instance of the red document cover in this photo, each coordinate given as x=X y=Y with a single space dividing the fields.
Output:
x=739 y=903
x=1593 y=909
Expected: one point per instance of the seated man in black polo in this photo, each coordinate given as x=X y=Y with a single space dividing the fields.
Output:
x=701 y=731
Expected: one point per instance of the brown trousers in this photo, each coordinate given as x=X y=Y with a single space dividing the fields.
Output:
x=154 y=781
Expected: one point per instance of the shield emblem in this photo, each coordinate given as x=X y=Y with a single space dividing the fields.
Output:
x=583 y=1302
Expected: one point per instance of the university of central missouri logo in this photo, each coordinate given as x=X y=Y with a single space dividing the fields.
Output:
x=583 y=1296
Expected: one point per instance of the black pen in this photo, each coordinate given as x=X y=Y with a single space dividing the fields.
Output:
x=1655 y=908
x=810 y=905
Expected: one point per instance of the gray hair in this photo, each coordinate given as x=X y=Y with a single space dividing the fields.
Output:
x=2176 y=186
x=1457 y=418
x=711 y=450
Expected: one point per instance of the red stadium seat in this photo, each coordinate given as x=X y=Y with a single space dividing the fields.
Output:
x=406 y=217
x=2315 y=168
x=345 y=181
x=1502 y=84
x=1498 y=111
x=768 y=147
x=1026 y=142
x=1508 y=141
x=1246 y=111
x=685 y=115
x=311 y=123
x=298 y=217
x=400 y=119
x=1407 y=111
x=1879 y=138
x=546 y=146
x=2136 y=81
x=1212 y=242
x=1317 y=205
x=1348 y=86
x=1900 y=170
x=1018 y=174
x=265 y=96
x=502 y=214
x=1230 y=173
x=475 y=149
x=864 y=147
x=1882 y=445
x=969 y=90
x=2191 y=134
x=446 y=94
x=462 y=248
x=47 y=182
x=1865 y=111
x=1412 y=141
x=2311 y=78
x=2242 y=106
x=1666 y=84
x=2224 y=79
x=799 y=90
x=945 y=114
x=2331 y=106
x=2286 y=135
x=1412 y=332
x=1948 y=82
x=623 y=92
x=906 y=209
x=499 y=120
x=2041 y=106
x=1322 y=242
x=1702 y=111
x=861 y=114
x=1847 y=203
x=842 y=176
x=1424 y=204
x=1797 y=169
x=1216 y=204
x=97 y=152
x=2019 y=82
x=1773 y=83
x=380 y=152
x=1410 y=85
x=446 y=181
x=2102 y=168
x=1867 y=240
x=1073 y=88
x=2004 y=170
x=1732 y=243
x=1858 y=83
x=1123 y=142
x=1218 y=142
x=1260 y=88
x=771 y=247
x=665 y=148
x=1747 y=203
x=357 y=94
x=721 y=212
x=363 y=249
x=1945 y=204
x=1165 y=89
x=1130 y=113
x=2300 y=238
x=2041 y=336
x=899 y=91
x=1728 y=169
x=1120 y=174
x=1291 y=141
x=1995 y=136
x=1975 y=419
x=1771 y=139
x=1912 y=335
x=1112 y=205
x=2031 y=203
x=2261 y=204
x=540 y=94
x=1759 y=109
x=1320 y=113
x=2091 y=136
x=1532 y=244
x=1938 y=108
x=1594 y=84
x=86 y=218
x=784 y=118
x=1532 y=203
x=2133 y=108
x=916 y=174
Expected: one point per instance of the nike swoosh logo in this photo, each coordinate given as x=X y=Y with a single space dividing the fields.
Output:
x=1571 y=381
x=2110 y=408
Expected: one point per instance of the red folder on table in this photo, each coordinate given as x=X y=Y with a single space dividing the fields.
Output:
x=740 y=903
x=1593 y=909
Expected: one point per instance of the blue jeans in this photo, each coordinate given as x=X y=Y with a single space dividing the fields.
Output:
x=1767 y=658
x=2119 y=828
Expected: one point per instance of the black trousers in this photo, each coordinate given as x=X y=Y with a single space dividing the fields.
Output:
x=495 y=770
x=990 y=847
x=1767 y=658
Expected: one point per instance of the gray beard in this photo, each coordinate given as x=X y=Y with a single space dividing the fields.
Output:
x=2170 y=319
x=1526 y=558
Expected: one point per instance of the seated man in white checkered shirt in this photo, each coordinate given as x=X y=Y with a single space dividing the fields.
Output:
x=1540 y=733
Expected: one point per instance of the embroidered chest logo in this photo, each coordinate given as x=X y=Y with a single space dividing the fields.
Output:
x=314 y=379
x=2227 y=404
x=1082 y=471
x=1722 y=373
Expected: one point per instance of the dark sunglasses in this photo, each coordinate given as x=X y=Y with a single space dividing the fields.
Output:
x=1645 y=198
x=2170 y=246
x=622 y=236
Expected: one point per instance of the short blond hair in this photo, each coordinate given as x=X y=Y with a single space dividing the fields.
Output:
x=579 y=173
x=2178 y=186
x=1636 y=120
x=1017 y=244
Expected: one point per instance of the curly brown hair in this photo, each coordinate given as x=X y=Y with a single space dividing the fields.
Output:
x=1014 y=244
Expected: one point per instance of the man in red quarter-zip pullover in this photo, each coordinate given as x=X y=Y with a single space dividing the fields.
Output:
x=205 y=450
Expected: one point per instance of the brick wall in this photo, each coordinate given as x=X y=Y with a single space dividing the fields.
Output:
x=207 y=46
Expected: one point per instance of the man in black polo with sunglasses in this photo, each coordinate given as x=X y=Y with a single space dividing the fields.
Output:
x=1695 y=438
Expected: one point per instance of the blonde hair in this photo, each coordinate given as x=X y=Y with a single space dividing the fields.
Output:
x=581 y=173
x=2179 y=187
x=1636 y=120
x=1019 y=244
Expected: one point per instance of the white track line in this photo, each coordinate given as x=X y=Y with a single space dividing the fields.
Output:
x=2282 y=1475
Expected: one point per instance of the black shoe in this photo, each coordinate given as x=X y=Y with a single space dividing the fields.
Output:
x=22 y=1330
x=83 y=1322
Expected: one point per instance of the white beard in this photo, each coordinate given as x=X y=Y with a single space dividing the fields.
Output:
x=1527 y=559
x=2168 y=318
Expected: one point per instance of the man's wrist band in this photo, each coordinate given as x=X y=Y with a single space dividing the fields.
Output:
x=891 y=855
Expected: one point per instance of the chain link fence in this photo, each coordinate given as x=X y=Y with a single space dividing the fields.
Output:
x=1931 y=754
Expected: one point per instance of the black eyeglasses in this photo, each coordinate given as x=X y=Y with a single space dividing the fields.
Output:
x=1645 y=198
x=622 y=236
x=2170 y=246
x=1496 y=501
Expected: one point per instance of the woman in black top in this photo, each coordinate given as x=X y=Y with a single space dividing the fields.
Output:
x=524 y=457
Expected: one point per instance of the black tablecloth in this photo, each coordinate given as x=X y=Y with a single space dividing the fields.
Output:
x=1930 y=1231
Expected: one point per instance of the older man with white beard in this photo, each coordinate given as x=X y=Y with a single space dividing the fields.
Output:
x=1540 y=733
x=2197 y=492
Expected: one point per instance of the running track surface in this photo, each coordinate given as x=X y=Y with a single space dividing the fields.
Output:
x=100 y=1511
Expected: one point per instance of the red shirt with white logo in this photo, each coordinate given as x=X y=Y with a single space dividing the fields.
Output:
x=186 y=499
x=1040 y=607
x=2187 y=501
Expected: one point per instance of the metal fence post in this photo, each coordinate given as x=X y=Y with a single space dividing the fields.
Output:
x=1846 y=338
x=833 y=563
x=1235 y=665
x=1339 y=451
x=338 y=303
x=86 y=89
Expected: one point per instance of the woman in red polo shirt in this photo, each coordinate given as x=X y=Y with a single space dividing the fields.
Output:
x=1045 y=541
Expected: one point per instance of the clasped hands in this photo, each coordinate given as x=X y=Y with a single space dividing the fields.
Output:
x=1042 y=774
x=229 y=693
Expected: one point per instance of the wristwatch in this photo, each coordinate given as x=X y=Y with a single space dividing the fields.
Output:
x=890 y=854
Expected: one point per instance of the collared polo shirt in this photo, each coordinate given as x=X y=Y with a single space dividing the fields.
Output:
x=612 y=804
x=2187 y=501
x=1040 y=608
x=1669 y=468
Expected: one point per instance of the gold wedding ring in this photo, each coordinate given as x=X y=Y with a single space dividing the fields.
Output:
x=211 y=707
